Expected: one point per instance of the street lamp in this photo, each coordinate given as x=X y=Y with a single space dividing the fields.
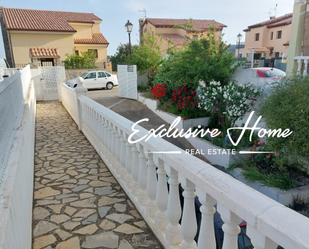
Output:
x=129 y=27
x=239 y=36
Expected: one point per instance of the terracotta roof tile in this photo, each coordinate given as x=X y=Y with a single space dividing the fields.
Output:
x=97 y=38
x=44 y=20
x=271 y=23
x=198 y=25
x=44 y=52
x=176 y=39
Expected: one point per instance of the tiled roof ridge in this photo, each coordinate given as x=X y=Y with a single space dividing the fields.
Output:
x=270 y=21
x=53 y=11
x=97 y=38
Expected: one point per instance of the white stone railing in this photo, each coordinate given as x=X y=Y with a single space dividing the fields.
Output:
x=302 y=67
x=141 y=170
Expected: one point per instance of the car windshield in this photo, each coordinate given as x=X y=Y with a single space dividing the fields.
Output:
x=273 y=73
x=84 y=75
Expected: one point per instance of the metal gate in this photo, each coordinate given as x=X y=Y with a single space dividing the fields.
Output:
x=127 y=80
x=50 y=77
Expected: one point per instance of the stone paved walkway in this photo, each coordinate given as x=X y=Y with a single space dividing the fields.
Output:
x=77 y=202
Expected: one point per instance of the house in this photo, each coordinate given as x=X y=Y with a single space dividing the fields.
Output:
x=298 y=56
x=44 y=37
x=165 y=29
x=269 y=39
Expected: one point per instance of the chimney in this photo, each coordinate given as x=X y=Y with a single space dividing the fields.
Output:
x=141 y=22
x=272 y=17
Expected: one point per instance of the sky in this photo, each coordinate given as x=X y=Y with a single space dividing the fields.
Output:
x=236 y=14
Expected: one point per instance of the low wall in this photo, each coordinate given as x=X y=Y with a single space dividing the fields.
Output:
x=73 y=73
x=16 y=189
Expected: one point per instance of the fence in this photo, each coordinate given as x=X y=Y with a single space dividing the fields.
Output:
x=134 y=166
x=13 y=93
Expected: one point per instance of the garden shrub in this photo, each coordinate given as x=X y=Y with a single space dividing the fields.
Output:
x=85 y=60
x=286 y=107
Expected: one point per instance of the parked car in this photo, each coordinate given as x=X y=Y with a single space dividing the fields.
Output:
x=96 y=79
x=4 y=63
x=268 y=72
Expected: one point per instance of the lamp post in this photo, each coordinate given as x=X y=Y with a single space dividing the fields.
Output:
x=239 y=36
x=129 y=27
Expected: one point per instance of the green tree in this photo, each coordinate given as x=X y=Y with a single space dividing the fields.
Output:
x=86 y=60
x=121 y=56
x=147 y=57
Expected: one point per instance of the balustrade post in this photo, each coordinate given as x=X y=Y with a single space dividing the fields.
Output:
x=142 y=176
x=113 y=147
x=117 y=166
x=259 y=240
x=230 y=227
x=299 y=61
x=173 y=230
x=151 y=207
x=129 y=159
x=135 y=168
x=188 y=221
x=123 y=152
x=80 y=91
x=161 y=197
x=305 y=72
x=206 y=239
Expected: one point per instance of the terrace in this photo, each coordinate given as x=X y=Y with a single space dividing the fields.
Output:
x=91 y=185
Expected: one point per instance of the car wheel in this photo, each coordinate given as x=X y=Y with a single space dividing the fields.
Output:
x=109 y=86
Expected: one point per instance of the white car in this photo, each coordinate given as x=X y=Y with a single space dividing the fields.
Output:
x=96 y=79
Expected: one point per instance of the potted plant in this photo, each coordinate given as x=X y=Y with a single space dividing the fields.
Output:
x=299 y=202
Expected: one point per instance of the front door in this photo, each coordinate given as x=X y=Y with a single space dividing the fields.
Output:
x=90 y=81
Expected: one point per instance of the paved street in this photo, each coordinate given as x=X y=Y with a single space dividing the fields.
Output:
x=77 y=202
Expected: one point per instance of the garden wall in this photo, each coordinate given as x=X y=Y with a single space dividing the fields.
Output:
x=74 y=73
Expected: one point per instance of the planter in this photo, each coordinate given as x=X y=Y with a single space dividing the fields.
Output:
x=282 y=196
x=185 y=124
x=208 y=149
x=299 y=206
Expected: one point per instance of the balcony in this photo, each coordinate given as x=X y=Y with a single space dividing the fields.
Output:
x=141 y=170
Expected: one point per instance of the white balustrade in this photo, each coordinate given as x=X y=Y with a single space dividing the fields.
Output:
x=151 y=186
x=135 y=169
x=302 y=65
x=161 y=219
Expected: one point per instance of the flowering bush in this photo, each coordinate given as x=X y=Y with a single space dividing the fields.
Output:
x=159 y=91
x=184 y=98
x=227 y=103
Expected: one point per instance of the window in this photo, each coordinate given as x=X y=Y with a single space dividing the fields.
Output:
x=95 y=52
x=76 y=52
x=91 y=76
x=195 y=36
x=240 y=56
x=277 y=54
x=271 y=35
x=279 y=34
x=108 y=75
x=101 y=75
x=257 y=36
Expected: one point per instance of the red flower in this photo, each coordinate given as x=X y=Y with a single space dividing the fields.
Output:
x=194 y=93
x=171 y=99
x=267 y=156
x=189 y=98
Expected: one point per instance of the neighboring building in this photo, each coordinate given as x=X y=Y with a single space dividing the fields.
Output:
x=233 y=48
x=269 y=38
x=165 y=29
x=41 y=36
x=298 y=57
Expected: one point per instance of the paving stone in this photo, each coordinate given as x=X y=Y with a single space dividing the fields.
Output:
x=38 y=185
x=43 y=227
x=83 y=181
x=99 y=184
x=107 y=225
x=140 y=224
x=58 y=197
x=103 y=211
x=43 y=241
x=93 y=172
x=87 y=203
x=69 y=210
x=120 y=207
x=56 y=208
x=80 y=188
x=63 y=234
x=90 y=229
x=53 y=176
x=70 y=185
x=67 y=200
x=59 y=218
x=45 y=192
x=46 y=202
x=69 y=244
x=72 y=172
x=120 y=218
x=105 y=240
x=89 y=190
x=104 y=191
x=53 y=184
x=42 y=172
x=40 y=213
x=70 y=225
x=80 y=176
x=91 y=219
x=85 y=195
x=108 y=179
x=84 y=213
x=70 y=181
x=66 y=177
x=66 y=191
x=124 y=244
x=104 y=201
